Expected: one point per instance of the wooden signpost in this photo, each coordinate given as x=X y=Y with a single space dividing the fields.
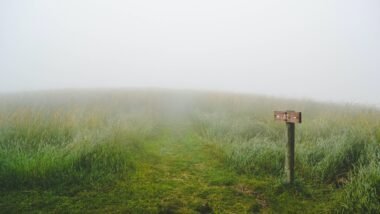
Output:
x=290 y=117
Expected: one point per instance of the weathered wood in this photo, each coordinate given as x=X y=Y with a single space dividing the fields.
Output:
x=289 y=157
x=280 y=115
x=293 y=117
x=288 y=116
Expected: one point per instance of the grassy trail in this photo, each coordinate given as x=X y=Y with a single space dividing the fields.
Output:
x=183 y=176
x=143 y=152
x=177 y=172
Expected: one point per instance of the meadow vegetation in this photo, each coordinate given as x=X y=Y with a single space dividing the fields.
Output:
x=162 y=151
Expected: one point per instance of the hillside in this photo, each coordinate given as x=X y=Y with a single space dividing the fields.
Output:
x=163 y=151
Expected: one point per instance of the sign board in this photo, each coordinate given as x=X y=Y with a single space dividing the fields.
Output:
x=288 y=116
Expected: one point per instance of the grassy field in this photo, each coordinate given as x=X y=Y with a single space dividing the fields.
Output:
x=162 y=151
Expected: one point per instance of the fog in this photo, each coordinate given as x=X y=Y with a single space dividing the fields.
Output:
x=324 y=50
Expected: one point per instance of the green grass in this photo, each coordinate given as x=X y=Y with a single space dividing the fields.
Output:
x=145 y=151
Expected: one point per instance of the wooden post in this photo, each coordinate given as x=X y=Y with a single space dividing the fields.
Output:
x=290 y=117
x=289 y=157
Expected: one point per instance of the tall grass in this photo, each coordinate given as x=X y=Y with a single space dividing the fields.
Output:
x=87 y=138
x=362 y=193
x=335 y=145
x=53 y=146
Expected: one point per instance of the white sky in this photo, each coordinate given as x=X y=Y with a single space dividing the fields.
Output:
x=319 y=49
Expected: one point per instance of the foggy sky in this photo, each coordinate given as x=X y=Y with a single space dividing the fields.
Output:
x=319 y=49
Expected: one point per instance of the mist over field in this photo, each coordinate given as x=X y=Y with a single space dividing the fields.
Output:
x=323 y=50
x=186 y=106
